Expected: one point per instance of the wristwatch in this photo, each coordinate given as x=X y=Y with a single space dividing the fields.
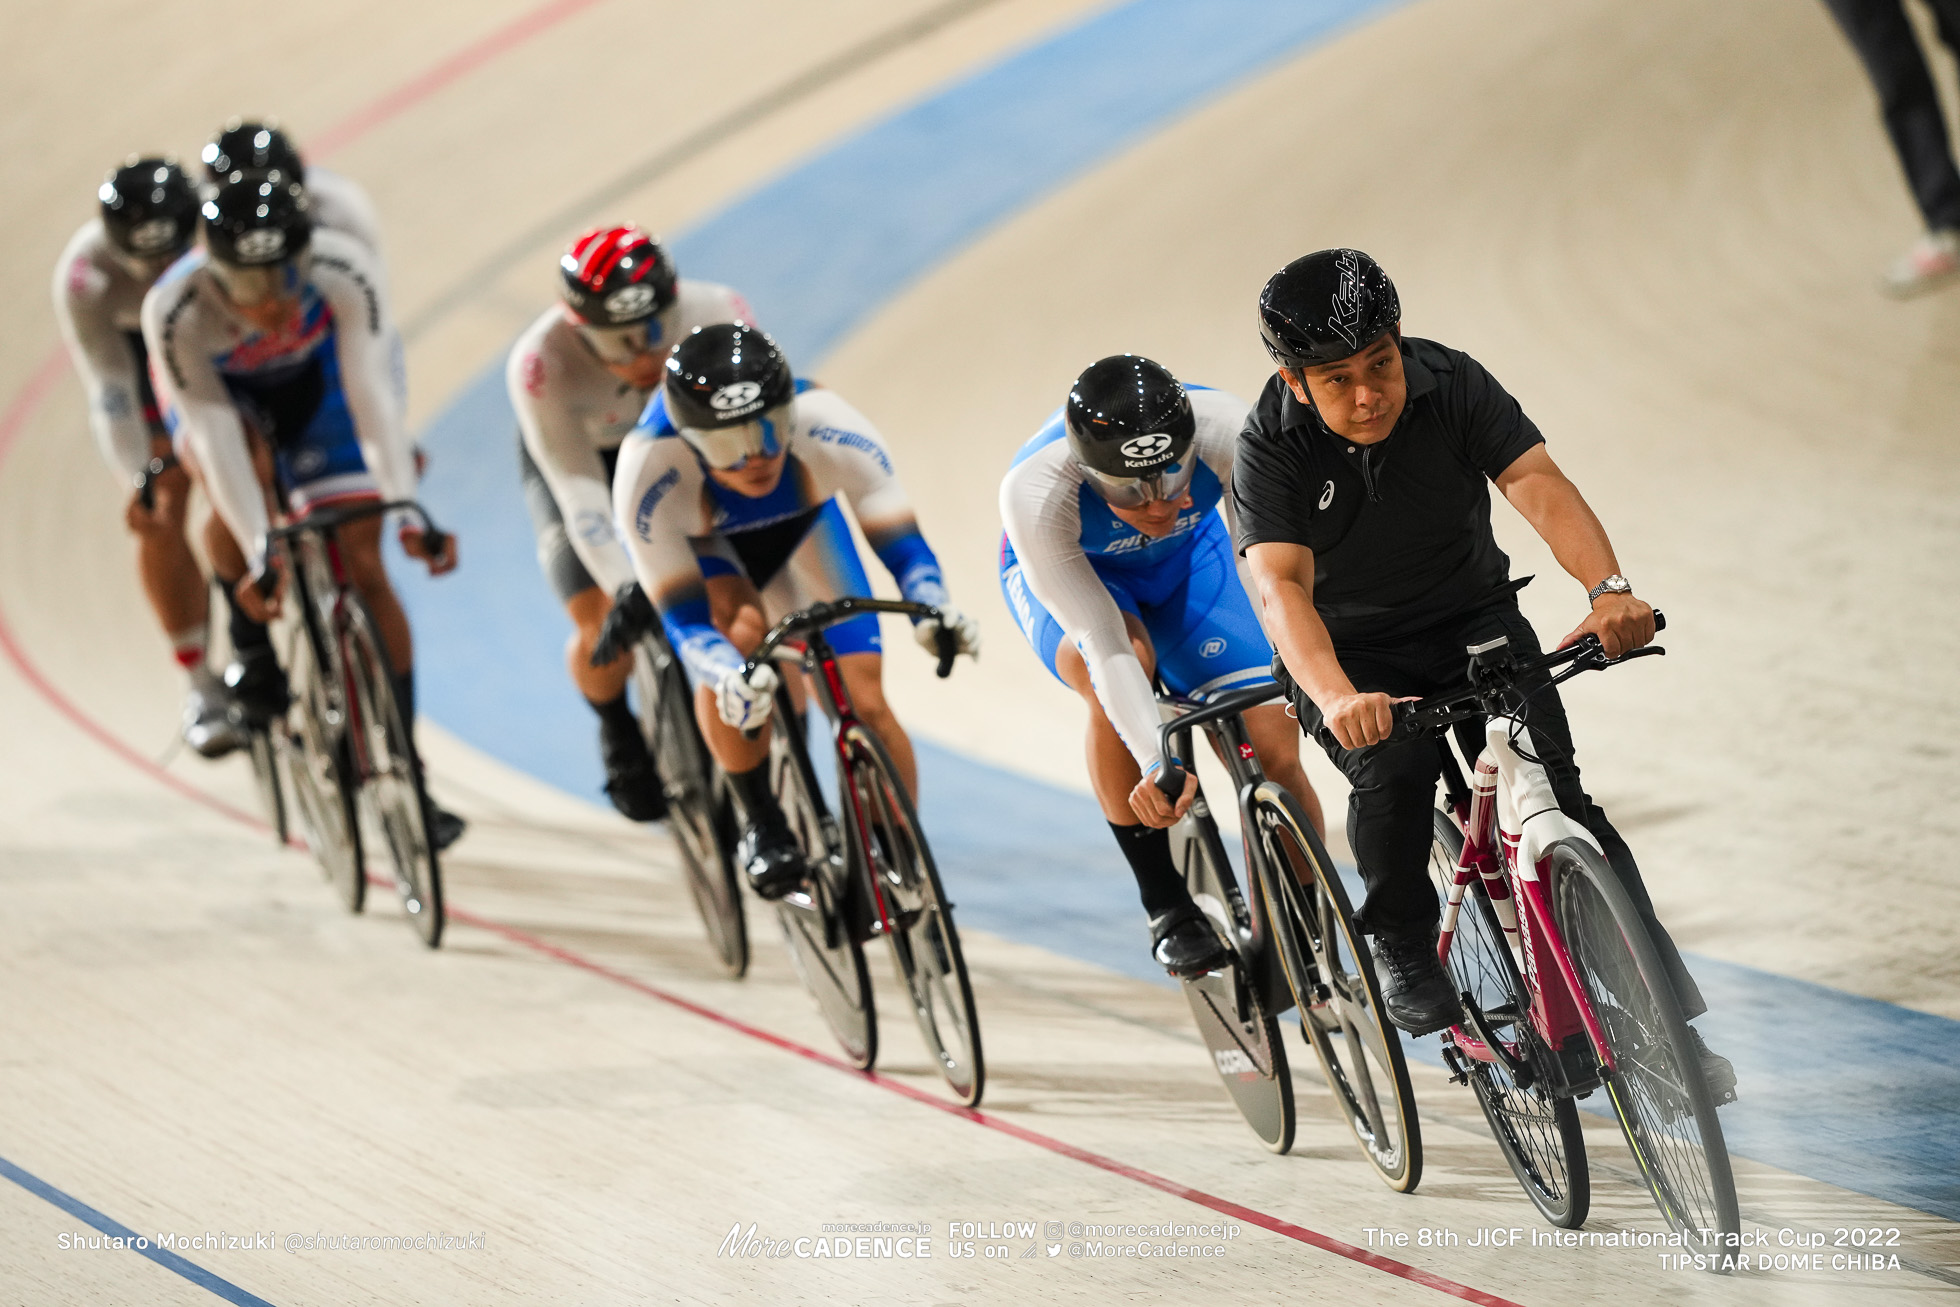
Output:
x=1612 y=585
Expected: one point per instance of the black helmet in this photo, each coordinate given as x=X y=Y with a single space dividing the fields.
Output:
x=149 y=208
x=616 y=276
x=257 y=218
x=1326 y=306
x=728 y=389
x=246 y=145
x=1130 y=427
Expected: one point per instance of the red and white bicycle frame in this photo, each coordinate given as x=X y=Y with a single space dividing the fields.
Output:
x=1512 y=822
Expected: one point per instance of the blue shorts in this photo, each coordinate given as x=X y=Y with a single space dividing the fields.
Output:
x=1200 y=622
x=304 y=418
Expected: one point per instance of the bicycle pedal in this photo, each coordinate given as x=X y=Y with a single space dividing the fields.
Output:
x=1459 y=1074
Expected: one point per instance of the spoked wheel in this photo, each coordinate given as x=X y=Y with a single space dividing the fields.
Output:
x=1332 y=974
x=393 y=808
x=813 y=918
x=1657 y=1088
x=1242 y=1037
x=268 y=761
x=322 y=782
x=1537 y=1130
x=700 y=811
x=918 y=921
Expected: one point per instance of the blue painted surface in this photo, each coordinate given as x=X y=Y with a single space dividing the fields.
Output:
x=163 y=1257
x=1849 y=1090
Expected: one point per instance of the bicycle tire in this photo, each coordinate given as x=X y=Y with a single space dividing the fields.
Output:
x=263 y=748
x=1537 y=1131
x=925 y=944
x=1240 y=1034
x=1658 y=1090
x=827 y=954
x=391 y=798
x=1331 y=972
x=700 y=810
x=323 y=783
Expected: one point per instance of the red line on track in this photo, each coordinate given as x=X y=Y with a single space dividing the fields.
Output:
x=342 y=133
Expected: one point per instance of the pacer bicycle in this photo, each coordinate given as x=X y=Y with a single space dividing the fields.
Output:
x=870 y=873
x=1562 y=988
x=1293 y=944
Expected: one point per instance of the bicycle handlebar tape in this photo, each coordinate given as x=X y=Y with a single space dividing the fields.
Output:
x=1170 y=781
x=949 y=648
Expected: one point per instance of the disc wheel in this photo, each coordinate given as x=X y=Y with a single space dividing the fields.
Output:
x=916 y=918
x=323 y=783
x=1657 y=1087
x=393 y=807
x=813 y=916
x=1537 y=1131
x=1332 y=974
x=700 y=811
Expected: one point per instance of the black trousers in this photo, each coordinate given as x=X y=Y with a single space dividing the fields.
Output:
x=1394 y=785
x=1882 y=35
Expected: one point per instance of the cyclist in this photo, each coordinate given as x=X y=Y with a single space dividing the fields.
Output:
x=148 y=218
x=272 y=364
x=579 y=378
x=1116 y=568
x=336 y=202
x=727 y=496
x=1364 y=512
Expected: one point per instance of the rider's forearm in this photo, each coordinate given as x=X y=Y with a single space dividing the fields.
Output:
x=1303 y=643
x=1565 y=521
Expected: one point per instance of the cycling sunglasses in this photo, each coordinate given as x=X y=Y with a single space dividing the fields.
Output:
x=1166 y=484
x=248 y=287
x=727 y=448
x=621 y=345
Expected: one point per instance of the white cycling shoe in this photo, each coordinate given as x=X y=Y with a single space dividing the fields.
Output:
x=209 y=727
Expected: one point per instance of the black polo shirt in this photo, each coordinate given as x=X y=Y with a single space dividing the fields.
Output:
x=1400 y=529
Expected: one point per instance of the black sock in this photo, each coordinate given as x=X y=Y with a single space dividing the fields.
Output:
x=1148 y=849
x=615 y=715
x=247 y=636
x=752 y=788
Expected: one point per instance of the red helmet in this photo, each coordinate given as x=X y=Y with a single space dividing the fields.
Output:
x=616 y=276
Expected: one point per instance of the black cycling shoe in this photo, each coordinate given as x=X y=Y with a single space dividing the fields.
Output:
x=1716 y=1069
x=771 y=857
x=258 y=685
x=445 y=827
x=632 y=781
x=1183 y=942
x=1415 y=992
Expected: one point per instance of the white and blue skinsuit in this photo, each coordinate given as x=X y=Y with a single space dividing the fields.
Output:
x=1071 y=568
x=681 y=528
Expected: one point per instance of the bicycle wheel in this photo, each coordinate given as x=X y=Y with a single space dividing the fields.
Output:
x=1332 y=975
x=393 y=806
x=1658 y=1090
x=262 y=741
x=700 y=811
x=826 y=954
x=919 y=921
x=1242 y=1037
x=1537 y=1131
x=323 y=783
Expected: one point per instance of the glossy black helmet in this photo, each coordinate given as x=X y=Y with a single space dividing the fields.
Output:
x=149 y=208
x=255 y=219
x=1130 y=427
x=616 y=276
x=248 y=145
x=1326 y=306
x=729 y=390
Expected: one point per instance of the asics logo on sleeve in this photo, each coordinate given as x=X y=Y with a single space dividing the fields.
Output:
x=735 y=395
x=1326 y=496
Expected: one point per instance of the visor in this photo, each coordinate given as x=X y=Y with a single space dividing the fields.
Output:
x=620 y=345
x=247 y=287
x=1166 y=483
x=727 y=448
